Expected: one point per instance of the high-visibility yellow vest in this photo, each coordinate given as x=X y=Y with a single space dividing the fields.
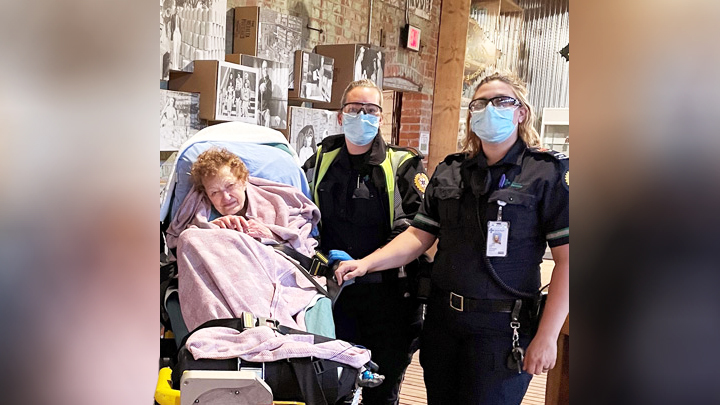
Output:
x=393 y=160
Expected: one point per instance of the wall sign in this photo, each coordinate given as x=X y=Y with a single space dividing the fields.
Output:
x=413 y=37
x=424 y=142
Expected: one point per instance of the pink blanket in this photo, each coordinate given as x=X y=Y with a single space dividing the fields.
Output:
x=262 y=344
x=224 y=272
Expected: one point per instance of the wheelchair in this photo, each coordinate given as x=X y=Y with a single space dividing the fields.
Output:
x=268 y=155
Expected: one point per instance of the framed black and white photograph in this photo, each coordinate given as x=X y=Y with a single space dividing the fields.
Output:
x=305 y=142
x=279 y=36
x=326 y=79
x=316 y=77
x=369 y=64
x=190 y=30
x=309 y=126
x=237 y=91
x=293 y=42
x=272 y=100
x=178 y=118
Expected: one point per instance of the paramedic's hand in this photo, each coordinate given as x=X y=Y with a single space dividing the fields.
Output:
x=349 y=270
x=235 y=222
x=541 y=354
x=258 y=230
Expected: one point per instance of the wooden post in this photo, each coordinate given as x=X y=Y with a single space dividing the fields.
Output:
x=449 y=71
x=557 y=390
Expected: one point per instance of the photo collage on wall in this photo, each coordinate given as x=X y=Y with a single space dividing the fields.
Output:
x=190 y=30
x=369 y=64
x=309 y=126
x=178 y=118
x=272 y=100
x=316 y=77
x=279 y=36
x=237 y=90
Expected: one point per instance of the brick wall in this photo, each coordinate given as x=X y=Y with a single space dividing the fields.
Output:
x=416 y=68
x=346 y=21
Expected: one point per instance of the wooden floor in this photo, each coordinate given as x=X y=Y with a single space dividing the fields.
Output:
x=412 y=391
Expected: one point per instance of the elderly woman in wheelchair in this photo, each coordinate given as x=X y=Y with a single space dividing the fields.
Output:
x=222 y=176
x=224 y=232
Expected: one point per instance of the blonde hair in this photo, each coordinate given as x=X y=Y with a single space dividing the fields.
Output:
x=526 y=129
x=362 y=83
x=211 y=161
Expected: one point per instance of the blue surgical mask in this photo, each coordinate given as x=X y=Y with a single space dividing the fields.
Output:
x=360 y=129
x=493 y=125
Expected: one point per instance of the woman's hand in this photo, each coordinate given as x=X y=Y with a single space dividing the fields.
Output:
x=235 y=222
x=252 y=227
x=541 y=355
x=350 y=269
x=258 y=230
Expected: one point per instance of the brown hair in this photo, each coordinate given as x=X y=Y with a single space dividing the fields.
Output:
x=526 y=129
x=362 y=83
x=211 y=161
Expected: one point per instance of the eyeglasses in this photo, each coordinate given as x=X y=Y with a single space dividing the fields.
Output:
x=367 y=108
x=479 y=104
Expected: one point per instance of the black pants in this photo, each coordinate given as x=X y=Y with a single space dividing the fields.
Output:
x=464 y=357
x=377 y=317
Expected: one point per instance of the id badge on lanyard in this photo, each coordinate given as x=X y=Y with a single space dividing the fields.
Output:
x=497 y=235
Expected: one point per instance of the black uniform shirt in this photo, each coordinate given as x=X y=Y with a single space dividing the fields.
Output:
x=361 y=224
x=462 y=197
x=354 y=213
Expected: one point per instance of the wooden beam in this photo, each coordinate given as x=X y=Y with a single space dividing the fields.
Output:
x=449 y=70
x=557 y=390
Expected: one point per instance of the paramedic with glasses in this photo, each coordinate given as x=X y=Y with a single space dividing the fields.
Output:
x=494 y=207
x=368 y=192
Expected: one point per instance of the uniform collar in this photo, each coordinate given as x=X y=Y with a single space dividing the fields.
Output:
x=512 y=157
x=378 y=150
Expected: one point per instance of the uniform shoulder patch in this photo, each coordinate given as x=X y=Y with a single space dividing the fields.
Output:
x=566 y=179
x=421 y=181
x=554 y=153
x=455 y=157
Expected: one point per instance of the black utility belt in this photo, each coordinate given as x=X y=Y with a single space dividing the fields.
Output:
x=466 y=304
x=371 y=278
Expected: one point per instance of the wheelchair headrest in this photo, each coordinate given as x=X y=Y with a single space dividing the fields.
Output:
x=265 y=152
x=264 y=161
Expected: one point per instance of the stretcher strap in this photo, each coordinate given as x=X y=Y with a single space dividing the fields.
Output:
x=317 y=265
x=283 y=251
x=315 y=381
